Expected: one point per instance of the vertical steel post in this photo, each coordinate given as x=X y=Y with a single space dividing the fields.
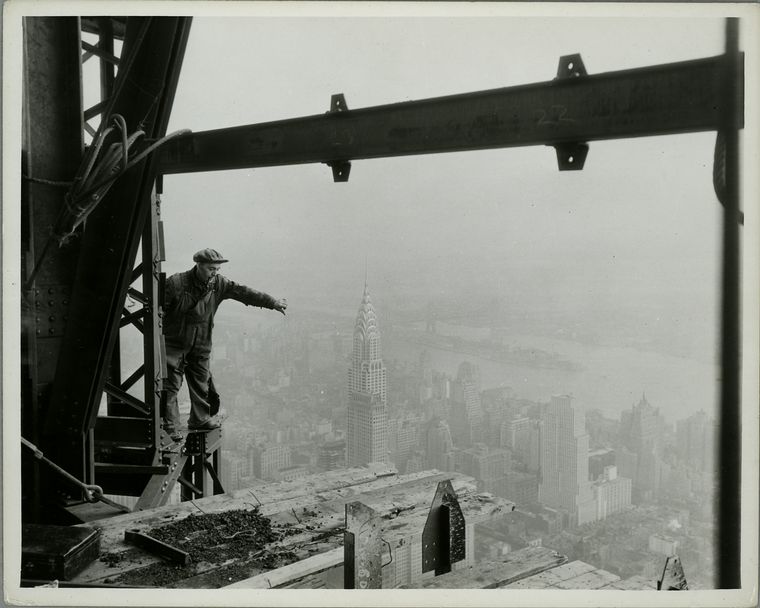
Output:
x=107 y=69
x=107 y=78
x=51 y=148
x=362 y=548
x=154 y=364
x=728 y=539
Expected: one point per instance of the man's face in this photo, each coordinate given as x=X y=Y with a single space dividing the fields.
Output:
x=208 y=271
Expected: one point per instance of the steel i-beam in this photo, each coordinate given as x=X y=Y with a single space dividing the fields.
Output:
x=566 y=112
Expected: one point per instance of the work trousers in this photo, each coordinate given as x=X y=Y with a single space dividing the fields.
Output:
x=193 y=364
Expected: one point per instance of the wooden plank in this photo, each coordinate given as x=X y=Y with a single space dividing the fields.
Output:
x=291 y=572
x=493 y=574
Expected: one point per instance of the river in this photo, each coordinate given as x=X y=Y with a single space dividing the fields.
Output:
x=611 y=379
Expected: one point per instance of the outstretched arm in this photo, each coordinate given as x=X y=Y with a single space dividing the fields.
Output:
x=250 y=297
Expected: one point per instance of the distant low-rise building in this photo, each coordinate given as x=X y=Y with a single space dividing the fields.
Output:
x=331 y=455
x=598 y=460
x=234 y=469
x=489 y=466
x=268 y=459
x=665 y=545
x=292 y=473
x=521 y=488
x=612 y=494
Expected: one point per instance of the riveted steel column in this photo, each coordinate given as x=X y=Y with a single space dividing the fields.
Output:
x=51 y=147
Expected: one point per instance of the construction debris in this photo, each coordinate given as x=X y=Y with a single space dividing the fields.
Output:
x=222 y=548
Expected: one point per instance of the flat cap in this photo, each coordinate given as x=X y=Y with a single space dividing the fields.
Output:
x=209 y=256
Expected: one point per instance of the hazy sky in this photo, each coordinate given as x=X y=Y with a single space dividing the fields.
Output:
x=639 y=226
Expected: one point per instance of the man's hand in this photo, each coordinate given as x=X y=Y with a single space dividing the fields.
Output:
x=281 y=305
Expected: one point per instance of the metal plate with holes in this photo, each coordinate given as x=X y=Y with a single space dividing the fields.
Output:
x=51 y=306
x=673 y=577
x=443 y=537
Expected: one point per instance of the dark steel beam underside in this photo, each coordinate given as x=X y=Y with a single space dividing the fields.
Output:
x=666 y=99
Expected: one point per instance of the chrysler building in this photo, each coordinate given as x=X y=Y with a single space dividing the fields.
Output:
x=367 y=434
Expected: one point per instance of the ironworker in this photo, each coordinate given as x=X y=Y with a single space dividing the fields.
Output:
x=192 y=298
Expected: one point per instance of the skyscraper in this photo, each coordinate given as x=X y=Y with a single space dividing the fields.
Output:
x=466 y=418
x=640 y=434
x=366 y=432
x=695 y=441
x=439 y=448
x=564 y=461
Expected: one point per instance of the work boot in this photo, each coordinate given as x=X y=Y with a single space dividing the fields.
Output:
x=169 y=429
x=208 y=425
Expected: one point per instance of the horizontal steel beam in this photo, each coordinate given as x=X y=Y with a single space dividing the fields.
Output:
x=656 y=100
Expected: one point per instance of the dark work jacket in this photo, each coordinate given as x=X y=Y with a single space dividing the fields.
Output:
x=190 y=305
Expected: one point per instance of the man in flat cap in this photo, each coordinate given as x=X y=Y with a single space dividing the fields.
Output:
x=191 y=300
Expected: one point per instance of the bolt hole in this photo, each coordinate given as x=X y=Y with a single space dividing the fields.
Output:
x=570 y=159
x=570 y=66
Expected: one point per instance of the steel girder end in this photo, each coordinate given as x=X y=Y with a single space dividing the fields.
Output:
x=340 y=170
x=338 y=103
x=571 y=66
x=572 y=156
x=673 y=577
x=444 y=534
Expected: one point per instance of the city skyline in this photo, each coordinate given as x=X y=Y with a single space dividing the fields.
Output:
x=500 y=461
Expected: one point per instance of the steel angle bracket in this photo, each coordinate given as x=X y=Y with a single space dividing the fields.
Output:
x=443 y=537
x=340 y=168
x=338 y=103
x=571 y=66
x=362 y=548
x=673 y=577
x=571 y=156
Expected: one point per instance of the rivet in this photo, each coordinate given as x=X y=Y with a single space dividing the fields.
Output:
x=51 y=290
x=51 y=302
x=51 y=318
x=51 y=330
